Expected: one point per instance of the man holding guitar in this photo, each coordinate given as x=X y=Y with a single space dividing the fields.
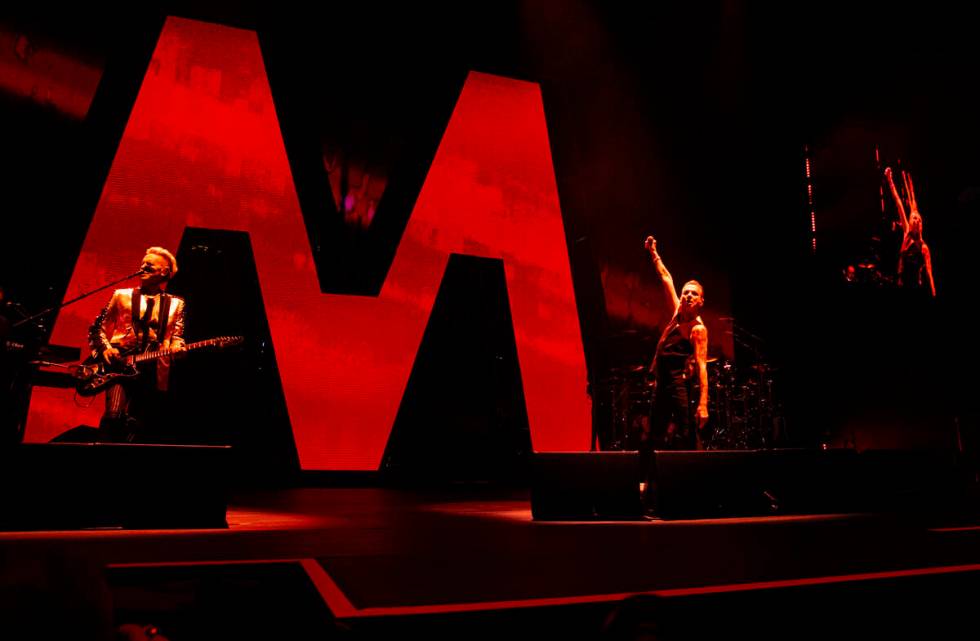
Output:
x=134 y=321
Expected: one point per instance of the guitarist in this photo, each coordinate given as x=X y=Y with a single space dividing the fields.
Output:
x=134 y=321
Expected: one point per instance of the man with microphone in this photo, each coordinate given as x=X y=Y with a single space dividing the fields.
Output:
x=137 y=320
x=680 y=359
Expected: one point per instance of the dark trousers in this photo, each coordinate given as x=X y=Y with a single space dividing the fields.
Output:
x=134 y=411
x=671 y=425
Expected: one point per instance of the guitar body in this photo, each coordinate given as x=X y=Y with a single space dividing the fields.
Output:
x=93 y=376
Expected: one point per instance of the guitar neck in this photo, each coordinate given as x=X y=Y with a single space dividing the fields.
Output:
x=160 y=353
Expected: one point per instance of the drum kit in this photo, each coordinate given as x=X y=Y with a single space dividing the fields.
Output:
x=868 y=273
x=742 y=408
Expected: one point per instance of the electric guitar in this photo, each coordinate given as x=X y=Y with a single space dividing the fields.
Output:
x=94 y=375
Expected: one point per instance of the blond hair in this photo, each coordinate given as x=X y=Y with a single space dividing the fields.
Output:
x=160 y=251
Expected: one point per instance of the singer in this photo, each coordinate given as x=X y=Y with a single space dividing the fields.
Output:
x=136 y=320
x=915 y=261
x=679 y=362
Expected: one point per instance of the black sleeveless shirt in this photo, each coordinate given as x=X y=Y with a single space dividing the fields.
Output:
x=673 y=354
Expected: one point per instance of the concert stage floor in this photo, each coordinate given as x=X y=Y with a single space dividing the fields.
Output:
x=376 y=553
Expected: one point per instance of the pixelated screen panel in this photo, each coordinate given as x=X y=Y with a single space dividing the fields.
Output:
x=203 y=148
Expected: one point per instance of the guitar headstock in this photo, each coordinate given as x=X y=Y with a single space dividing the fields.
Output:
x=222 y=342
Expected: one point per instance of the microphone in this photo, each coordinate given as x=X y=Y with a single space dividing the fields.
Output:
x=139 y=272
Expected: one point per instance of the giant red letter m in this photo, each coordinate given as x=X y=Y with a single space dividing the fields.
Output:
x=203 y=148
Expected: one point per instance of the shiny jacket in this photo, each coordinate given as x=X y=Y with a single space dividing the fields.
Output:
x=114 y=327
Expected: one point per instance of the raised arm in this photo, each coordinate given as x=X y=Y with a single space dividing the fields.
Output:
x=910 y=192
x=898 y=201
x=651 y=246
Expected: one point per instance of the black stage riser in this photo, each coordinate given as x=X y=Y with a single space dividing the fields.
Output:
x=585 y=485
x=74 y=486
x=710 y=484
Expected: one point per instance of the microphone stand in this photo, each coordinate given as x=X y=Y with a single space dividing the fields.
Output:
x=18 y=426
x=55 y=308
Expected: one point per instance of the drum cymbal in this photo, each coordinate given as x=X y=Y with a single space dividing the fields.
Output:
x=629 y=369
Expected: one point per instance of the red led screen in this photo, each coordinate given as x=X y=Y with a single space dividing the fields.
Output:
x=203 y=148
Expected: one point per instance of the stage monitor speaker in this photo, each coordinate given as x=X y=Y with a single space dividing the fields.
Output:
x=811 y=481
x=709 y=484
x=572 y=486
x=923 y=481
x=719 y=483
x=100 y=485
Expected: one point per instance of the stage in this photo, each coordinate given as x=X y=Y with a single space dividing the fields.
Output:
x=373 y=558
x=457 y=291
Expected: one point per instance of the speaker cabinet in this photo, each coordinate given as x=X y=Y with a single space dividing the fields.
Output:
x=585 y=486
x=720 y=483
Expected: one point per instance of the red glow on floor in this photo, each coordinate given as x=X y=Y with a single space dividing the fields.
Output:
x=341 y=606
x=203 y=148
